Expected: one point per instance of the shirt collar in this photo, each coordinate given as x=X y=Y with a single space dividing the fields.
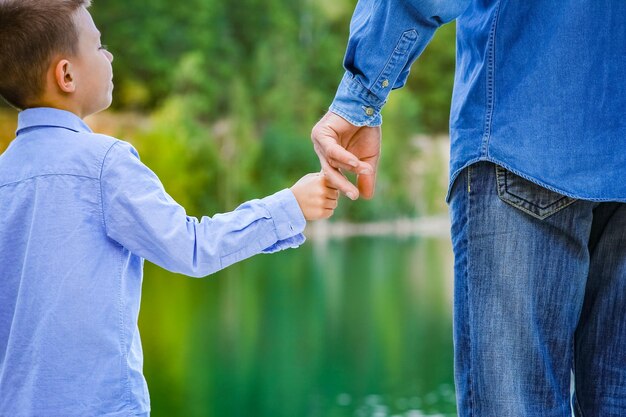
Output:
x=49 y=117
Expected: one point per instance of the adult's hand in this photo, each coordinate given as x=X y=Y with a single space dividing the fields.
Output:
x=341 y=146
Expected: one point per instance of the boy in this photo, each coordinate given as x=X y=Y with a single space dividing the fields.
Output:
x=79 y=214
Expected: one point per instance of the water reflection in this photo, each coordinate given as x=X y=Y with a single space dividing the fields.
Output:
x=355 y=327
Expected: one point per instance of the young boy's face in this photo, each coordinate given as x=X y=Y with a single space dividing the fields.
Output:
x=92 y=67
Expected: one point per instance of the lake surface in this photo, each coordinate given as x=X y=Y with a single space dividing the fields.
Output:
x=352 y=327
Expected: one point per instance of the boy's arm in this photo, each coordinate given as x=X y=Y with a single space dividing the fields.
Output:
x=142 y=217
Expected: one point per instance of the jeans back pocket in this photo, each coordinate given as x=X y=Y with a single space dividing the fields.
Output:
x=529 y=197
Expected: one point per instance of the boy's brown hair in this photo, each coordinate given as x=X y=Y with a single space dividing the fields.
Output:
x=32 y=33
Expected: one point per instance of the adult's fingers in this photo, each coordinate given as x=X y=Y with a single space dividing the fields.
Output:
x=328 y=136
x=340 y=158
x=337 y=180
x=367 y=185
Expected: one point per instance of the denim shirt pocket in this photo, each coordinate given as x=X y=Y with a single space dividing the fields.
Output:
x=529 y=197
x=395 y=64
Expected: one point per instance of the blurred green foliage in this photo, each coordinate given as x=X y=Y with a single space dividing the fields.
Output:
x=232 y=89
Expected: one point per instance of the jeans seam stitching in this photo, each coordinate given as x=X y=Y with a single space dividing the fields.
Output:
x=467 y=269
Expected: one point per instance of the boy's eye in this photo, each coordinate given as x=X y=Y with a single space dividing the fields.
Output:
x=103 y=47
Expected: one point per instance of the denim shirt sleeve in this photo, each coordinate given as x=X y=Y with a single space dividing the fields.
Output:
x=142 y=217
x=386 y=37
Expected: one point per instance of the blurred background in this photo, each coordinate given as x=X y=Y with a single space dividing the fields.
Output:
x=219 y=97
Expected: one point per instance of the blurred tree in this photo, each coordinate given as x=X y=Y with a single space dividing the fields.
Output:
x=233 y=88
x=433 y=78
x=240 y=83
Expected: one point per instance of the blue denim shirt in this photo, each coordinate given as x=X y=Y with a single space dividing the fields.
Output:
x=80 y=213
x=540 y=86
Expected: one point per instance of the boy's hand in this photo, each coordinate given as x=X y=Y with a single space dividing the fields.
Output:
x=317 y=199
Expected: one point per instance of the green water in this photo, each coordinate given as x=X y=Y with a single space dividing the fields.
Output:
x=357 y=327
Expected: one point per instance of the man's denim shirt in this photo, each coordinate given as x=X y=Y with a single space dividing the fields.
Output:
x=540 y=85
x=80 y=213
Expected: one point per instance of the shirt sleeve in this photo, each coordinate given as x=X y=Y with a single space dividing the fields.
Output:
x=142 y=217
x=386 y=37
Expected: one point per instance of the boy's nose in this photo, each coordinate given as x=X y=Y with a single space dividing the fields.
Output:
x=110 y=56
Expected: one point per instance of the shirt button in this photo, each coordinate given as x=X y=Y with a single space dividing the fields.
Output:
x=369 y=111
x=385 y=83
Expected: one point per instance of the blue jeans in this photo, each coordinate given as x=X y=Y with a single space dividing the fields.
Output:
x=540 y=299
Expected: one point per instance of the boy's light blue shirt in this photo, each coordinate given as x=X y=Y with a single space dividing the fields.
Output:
x=539 y=86
x=79 y=213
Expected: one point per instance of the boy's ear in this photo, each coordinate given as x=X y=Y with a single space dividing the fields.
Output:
x=64 y=76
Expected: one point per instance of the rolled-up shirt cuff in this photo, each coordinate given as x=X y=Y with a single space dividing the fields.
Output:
x=290 y=243
x=357 y=104
x=289 y=222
